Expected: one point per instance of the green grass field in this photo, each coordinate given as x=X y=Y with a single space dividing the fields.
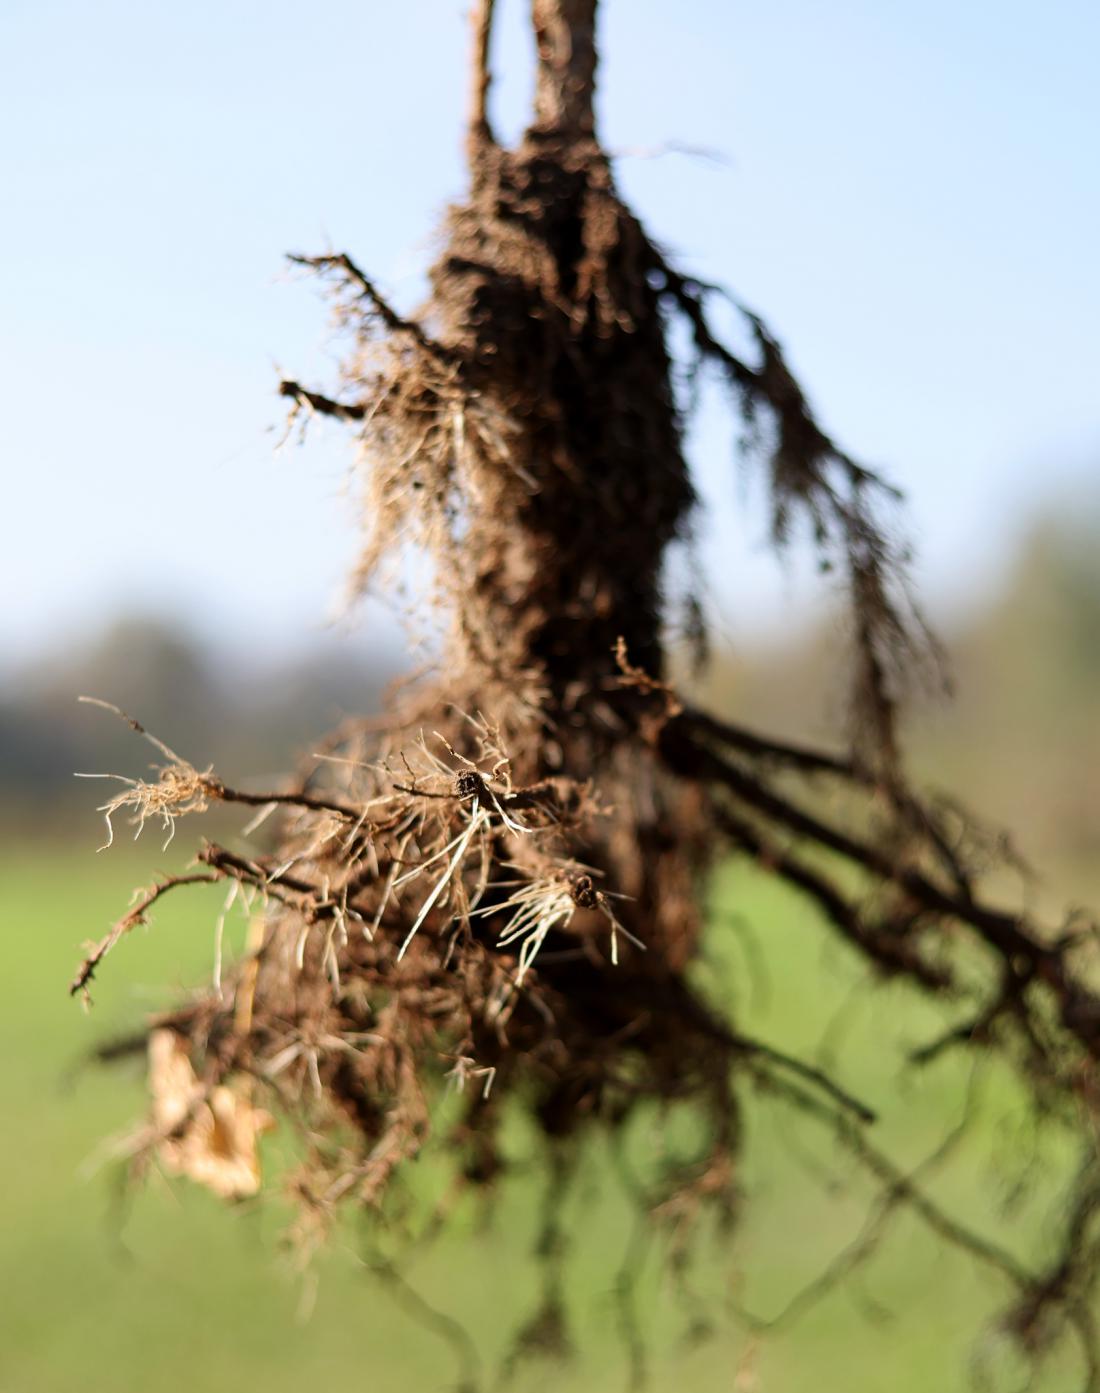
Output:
x=164 y=1289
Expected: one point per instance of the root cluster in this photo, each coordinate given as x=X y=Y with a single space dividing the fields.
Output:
x=499 y=883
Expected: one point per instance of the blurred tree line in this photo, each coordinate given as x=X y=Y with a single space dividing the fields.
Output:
x=1021 y=731
x=247 y=718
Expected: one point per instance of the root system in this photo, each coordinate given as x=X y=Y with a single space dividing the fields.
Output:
x=500 y=882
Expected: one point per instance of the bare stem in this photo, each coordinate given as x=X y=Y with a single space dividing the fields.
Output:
x=482 y=20
x=565 y=79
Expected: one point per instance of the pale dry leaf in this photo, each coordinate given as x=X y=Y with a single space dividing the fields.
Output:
x=211 y=1138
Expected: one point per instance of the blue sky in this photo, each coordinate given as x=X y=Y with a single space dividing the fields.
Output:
x=911 y=197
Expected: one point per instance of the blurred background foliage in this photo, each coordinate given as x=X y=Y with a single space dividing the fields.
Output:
x=1017 y=733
